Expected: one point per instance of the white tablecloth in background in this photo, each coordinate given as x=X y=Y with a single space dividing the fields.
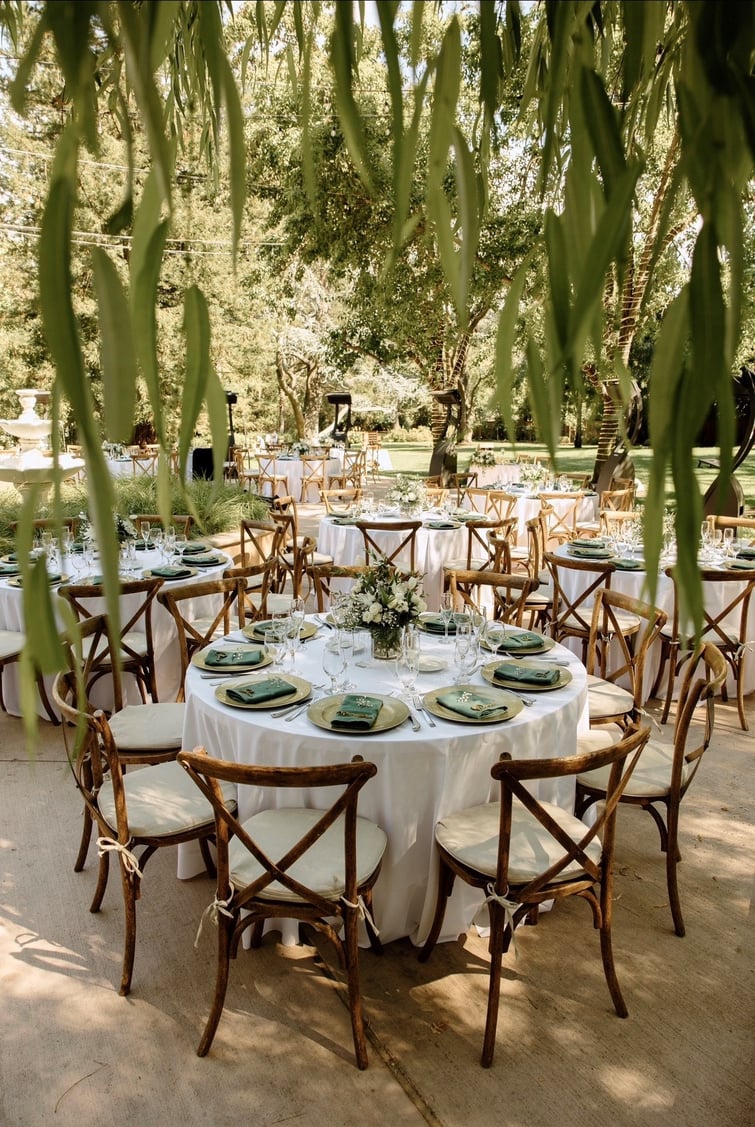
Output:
x=497 y=475
x=421 y=776
x=165 y=641
x=434 y=547
x=528 y=506
x=293 y=468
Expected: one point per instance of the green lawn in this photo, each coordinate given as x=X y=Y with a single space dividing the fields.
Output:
x=407 y=457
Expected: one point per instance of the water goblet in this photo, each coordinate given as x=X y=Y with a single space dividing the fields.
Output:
x=276 y=637
x=145 y=529
x=446 y=612
x=158 y=537
x=170 y=543
x=334 y=661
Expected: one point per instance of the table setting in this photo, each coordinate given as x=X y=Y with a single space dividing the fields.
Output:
x=433 y=719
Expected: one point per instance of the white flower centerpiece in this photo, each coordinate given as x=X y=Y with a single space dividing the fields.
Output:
x=384 y=601
x=125 y=529
x=409 y=493
x=484 y=458
x=532 y=474
x=299 y=449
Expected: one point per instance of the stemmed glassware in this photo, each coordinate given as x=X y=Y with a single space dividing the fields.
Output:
x=407 y=662
x=158 y=537
x=334 y=660
x=276 y=638
x=145 y=529
x=465 y=651
x=446 y=612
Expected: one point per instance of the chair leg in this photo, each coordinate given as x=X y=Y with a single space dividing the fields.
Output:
x=355 y=998
x=99 y=892
x=86 y=837
x=738 y=673
x=606 y=950
x=131 y=885
x=672 y=865
x=446 y=878
x=496 y=947
x=225 y=928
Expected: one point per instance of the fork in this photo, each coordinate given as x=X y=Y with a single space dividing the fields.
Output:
x=419 y=704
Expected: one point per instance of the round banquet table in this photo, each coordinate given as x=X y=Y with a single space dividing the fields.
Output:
x=422 y=775
x=497 y=477
x=434 y=546
x=293 y=468
x=528 y=505
x=165 y=641
x=634 y=584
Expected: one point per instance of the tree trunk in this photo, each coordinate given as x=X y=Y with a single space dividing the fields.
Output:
x=287 y=385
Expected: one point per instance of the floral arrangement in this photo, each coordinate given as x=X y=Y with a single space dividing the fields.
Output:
x=484 y=458
x=383 y=598
x=125 y=529
x=407 y=492
x=531 y=474
x=299 y=449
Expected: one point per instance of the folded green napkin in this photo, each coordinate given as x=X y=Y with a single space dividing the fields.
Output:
x=246 y=656
x=263 y=627
x=590 y=553
x=442 y=524
x=470 y=704
x=357 y=711
x=269 y=689
x=194 y=549
x=206 y=561
x=741 y=564
x=140 y=545
x=526 y=640
x=629 y=565
x=343 y=520
x=9 y=569
x=510 y=671
x=588 y=542
x=171 y=572
x=53 y=577
x=434 y=623
x=76 y=548
x=746 y=553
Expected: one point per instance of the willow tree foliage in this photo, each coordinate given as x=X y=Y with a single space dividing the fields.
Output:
x=601 y=77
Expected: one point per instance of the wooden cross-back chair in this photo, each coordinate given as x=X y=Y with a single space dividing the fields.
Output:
x=193 y=632
x=136 y=646
x=135 y=814
x=271 y=474
x=324 y=576
x=182 y=521
x=494 y=503
x=664 y=774
x=296 y=554
x=521 y=852
x=727 y=596
x=259 y=540
x=575 y=584
x=312 y=865
x=509 y=593
x=561 y=522
x=313 y=476
x=256 y=589
x=484 y=552
x=461 y=482
x=337 y=502
x=352 y=472
x=616 y=658
x=403 y=553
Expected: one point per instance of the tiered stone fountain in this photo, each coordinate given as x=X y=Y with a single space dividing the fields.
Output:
x=32 y=464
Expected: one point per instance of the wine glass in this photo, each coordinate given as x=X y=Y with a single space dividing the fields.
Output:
x=407 y=662
x=446 y=611
x=276 y=638
x=465 y=651
x=158 y=537
x=334 y=661
x=145 y=529
x=170 y=543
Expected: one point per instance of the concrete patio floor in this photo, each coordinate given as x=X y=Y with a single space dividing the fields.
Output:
x=73 y=1052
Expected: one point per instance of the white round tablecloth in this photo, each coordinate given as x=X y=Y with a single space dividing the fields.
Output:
x=293 y=468
x=421 y=775
x=167 y=656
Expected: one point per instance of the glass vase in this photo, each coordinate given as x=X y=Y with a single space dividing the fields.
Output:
x=386 y=643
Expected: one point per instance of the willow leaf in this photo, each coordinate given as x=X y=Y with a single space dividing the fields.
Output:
x=505 y=372
x=558 y=277
x=603 y=127
x=20 y=84
x=145 y=91
x=196 y=327
x=310 y=180
x=445 y=98
x=466 y=186
x=415 y=48
x=216 y=412
x=666 y=371
x=490 y=57
x=560 y=30
x=404 y=172
x=144 y=318
x=341 y=55
x=450 y=260
x=118 y=358
x=236 y=147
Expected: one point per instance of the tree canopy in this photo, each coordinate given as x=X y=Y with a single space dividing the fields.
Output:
x=585 y=87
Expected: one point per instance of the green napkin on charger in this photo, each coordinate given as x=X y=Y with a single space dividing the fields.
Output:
x=9 y=569
x=590 y=553
x=747 y=552
x=194 y=549
x=171 y=572
x=269 y=689
x=524 y=640
x=629 y=565
x=588 y=542
x=343 y=520
x=241 y=656
x=511 y=671
x=442 y=524
x=206 y=560
x=470 y=704
x=434 y=624
x=741 y=564
x=357 y=711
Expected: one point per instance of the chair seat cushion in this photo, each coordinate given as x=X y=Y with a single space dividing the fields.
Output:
x=607 y=699
x=472 y=837
x=321 y=868
x=11 y=643
x=598 y=738
x=651 y=776
x=161 y=801
x=135 y=640
x=148 y=727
